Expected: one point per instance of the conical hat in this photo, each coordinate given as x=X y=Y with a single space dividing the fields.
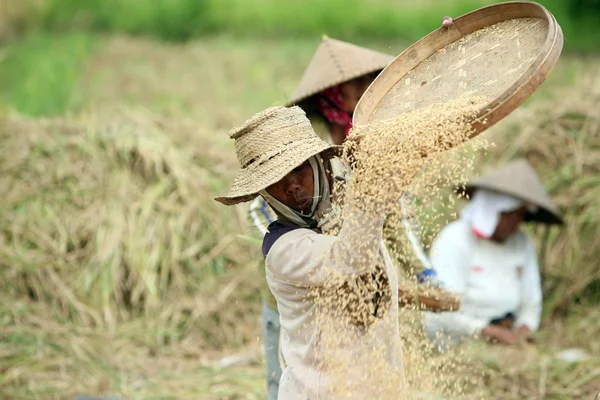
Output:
x=518 y=179
x=269 y=146
x=335 y=62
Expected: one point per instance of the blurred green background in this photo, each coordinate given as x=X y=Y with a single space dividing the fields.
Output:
x=178 y=20
x=47 y=42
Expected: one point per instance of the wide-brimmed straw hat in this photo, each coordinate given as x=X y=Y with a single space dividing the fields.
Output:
x=336 y=62
x=518 y=179
x=269 y=146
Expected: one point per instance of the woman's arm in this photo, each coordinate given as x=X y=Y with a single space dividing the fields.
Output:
x=530 y=312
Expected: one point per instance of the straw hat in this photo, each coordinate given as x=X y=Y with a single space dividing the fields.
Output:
x=518 y=179
x=269 y=146
x=335 y=62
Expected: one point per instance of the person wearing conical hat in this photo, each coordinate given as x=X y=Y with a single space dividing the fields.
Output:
x=286 y=163
x=484 y=257
x=335 y=79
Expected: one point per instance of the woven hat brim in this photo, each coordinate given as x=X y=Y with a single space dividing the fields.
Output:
x=546 y=212
x=258 y=176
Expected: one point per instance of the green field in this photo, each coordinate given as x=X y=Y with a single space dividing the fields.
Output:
x=121 y=275
x=180 y=20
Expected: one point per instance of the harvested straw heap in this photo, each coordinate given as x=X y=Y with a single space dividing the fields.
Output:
x=104 y=223
x=109 y=232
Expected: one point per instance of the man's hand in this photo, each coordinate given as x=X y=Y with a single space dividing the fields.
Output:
x=447 y=22
x=500 y=334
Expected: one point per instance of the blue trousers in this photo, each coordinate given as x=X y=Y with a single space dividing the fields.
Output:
x=271 y=329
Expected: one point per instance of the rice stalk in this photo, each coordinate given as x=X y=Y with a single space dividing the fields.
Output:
x=107 y=223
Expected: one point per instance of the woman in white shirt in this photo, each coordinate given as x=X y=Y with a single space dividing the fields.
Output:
x=485 y=258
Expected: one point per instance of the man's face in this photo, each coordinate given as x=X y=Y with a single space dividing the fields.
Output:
x=509 y=224
x=296 y=189
x=353 y=90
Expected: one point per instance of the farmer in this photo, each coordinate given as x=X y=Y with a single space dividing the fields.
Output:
x=486 y=258
x=284 y=162
x=334 y=81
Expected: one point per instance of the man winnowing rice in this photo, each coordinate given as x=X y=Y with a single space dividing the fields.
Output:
x=286 y=163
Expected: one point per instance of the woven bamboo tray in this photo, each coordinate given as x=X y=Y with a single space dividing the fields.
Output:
x=501 y=52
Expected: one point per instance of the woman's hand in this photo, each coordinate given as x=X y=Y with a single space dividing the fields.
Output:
x=524 y=333
x=499 y=334
x=507 y=336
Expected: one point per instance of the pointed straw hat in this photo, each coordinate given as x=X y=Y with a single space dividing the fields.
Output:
x=269 y=146
x=336 y=62
x=518 y=179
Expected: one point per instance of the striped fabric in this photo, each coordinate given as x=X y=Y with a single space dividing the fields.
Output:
x=412 y=232
x=261 y=215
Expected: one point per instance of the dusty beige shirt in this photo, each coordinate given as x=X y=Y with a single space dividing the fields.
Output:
x=296 y=264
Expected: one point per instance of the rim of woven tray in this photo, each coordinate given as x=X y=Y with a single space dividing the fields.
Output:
x=498 y=107
x=345 y=71
x=538 y=68
x=262 y=174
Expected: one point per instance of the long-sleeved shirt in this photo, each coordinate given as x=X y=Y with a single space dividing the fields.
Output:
x=493 y=278
x=296 y=264
x=261 y=215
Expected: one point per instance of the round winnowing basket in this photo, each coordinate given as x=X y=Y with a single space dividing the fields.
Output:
x=500 y=54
